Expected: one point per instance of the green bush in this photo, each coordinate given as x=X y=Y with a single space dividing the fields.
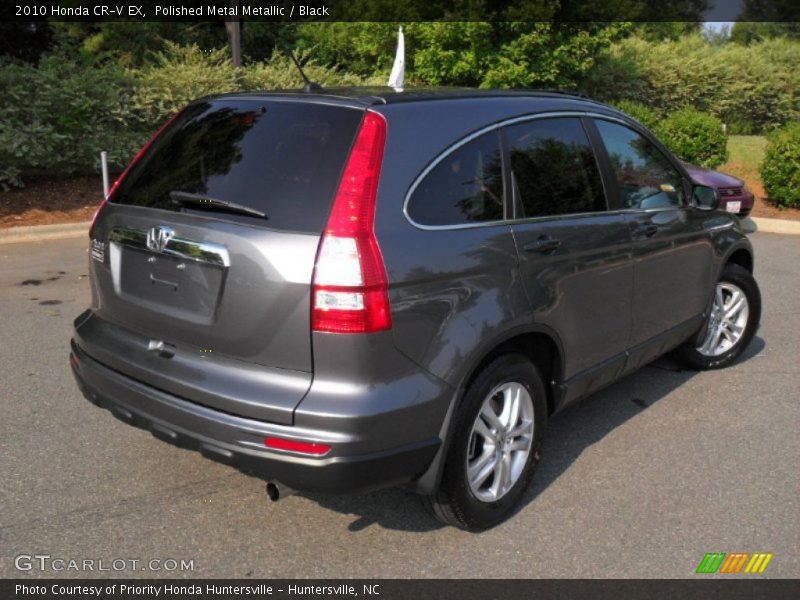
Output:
x=177 y=76
x=696 y=137
x=280 y=73
x=55 y=118
x=780 y=170
x=181 y=74
x=497 y=54
x=751 y=88
x=646 y=116
x=10 y=177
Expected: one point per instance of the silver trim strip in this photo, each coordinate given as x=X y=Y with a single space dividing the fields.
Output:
x=185 y=249
x=478 y=133
x=728 y=225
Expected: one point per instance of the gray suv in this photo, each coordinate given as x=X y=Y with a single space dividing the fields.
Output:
x=346 y=290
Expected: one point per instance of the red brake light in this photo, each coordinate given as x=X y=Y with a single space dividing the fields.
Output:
x=297 y=446
x=350 y=290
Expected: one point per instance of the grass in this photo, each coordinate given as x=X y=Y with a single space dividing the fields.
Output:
x=745 y=153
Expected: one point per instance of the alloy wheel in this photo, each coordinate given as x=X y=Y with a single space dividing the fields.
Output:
x=500 y=441
x=727 y=321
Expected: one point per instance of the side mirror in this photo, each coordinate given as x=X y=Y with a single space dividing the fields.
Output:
x=704 y=197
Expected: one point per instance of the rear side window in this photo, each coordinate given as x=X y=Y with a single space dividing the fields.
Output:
x=554 y=168
x=466 y=186
x=646 y=178
x=282 y=158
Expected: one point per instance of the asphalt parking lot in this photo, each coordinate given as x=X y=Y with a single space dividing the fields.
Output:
x=640 y=480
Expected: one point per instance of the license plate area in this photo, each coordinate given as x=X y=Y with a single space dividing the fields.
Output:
x=182 y=288
x=734 y=207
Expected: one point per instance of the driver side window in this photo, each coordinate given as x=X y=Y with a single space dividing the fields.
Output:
x=646 y=179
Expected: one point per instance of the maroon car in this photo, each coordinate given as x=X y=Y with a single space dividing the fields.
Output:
x=734 y=195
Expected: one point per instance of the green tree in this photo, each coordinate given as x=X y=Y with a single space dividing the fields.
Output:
x=666 y=30
x=765 y=19
x=748 y=32
x=547 y=55
x=486 y=54
x=359 y=47
x=754 y=88
x=131 y=44
x=25 y=40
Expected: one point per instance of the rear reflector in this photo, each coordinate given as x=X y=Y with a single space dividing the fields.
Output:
x=297 y=446
x=350 y=291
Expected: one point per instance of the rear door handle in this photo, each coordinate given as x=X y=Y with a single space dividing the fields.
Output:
x=543 y=245
x=641 y=230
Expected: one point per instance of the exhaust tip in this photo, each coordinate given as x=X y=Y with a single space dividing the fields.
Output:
x=273 y=492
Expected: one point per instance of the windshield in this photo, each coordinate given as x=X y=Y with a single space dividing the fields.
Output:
x=283 y=159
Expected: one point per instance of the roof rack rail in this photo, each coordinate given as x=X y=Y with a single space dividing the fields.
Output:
x=562 y=91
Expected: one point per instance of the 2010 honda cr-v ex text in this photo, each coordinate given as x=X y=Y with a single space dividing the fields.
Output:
x=345 y=290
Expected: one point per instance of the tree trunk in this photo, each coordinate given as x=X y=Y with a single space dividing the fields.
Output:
x=234 y=29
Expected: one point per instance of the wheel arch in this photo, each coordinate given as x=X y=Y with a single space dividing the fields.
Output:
x=542 y=347
x=741 y=256
x=538 y=342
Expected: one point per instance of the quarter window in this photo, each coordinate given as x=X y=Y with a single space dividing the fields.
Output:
x=554 y=168
x=466 y=186
x=646 y=179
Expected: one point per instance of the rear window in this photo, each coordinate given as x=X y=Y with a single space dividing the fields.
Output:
x=465 y=187
x=281 y=158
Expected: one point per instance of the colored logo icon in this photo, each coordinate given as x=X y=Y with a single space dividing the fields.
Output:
x=735 y=562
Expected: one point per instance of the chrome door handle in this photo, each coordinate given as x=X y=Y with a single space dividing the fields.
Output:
x=645 y=230
x=543 y=245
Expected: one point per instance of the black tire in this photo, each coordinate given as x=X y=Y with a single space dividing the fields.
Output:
x=743 y=279
x=454 y=503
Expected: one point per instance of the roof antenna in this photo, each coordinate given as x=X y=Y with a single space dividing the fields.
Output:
x=309 y=86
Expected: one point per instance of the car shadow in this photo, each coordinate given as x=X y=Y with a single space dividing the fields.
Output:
x=569 y=433
x=749 y=226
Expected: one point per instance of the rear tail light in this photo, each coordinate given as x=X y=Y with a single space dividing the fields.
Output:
x=130 y=166
x=350 y=289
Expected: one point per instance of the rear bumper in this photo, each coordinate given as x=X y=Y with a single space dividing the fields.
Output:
x=238 y=441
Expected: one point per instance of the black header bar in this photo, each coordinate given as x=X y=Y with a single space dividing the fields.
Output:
x=567 y=11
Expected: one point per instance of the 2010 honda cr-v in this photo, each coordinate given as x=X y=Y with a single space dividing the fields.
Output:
x=341 y=291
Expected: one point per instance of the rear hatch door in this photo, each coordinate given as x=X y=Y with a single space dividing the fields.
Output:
x=207 y=301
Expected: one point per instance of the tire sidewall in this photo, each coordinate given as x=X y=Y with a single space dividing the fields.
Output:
x=476 y=514
x=742 y=279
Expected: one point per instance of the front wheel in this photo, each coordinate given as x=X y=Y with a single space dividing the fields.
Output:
x=495 y=445
x=732 y=322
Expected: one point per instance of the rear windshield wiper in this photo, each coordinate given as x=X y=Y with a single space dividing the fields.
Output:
x=181 y=197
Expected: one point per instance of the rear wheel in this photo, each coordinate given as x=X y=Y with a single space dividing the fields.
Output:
x=495 y=445
x=732 y=322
